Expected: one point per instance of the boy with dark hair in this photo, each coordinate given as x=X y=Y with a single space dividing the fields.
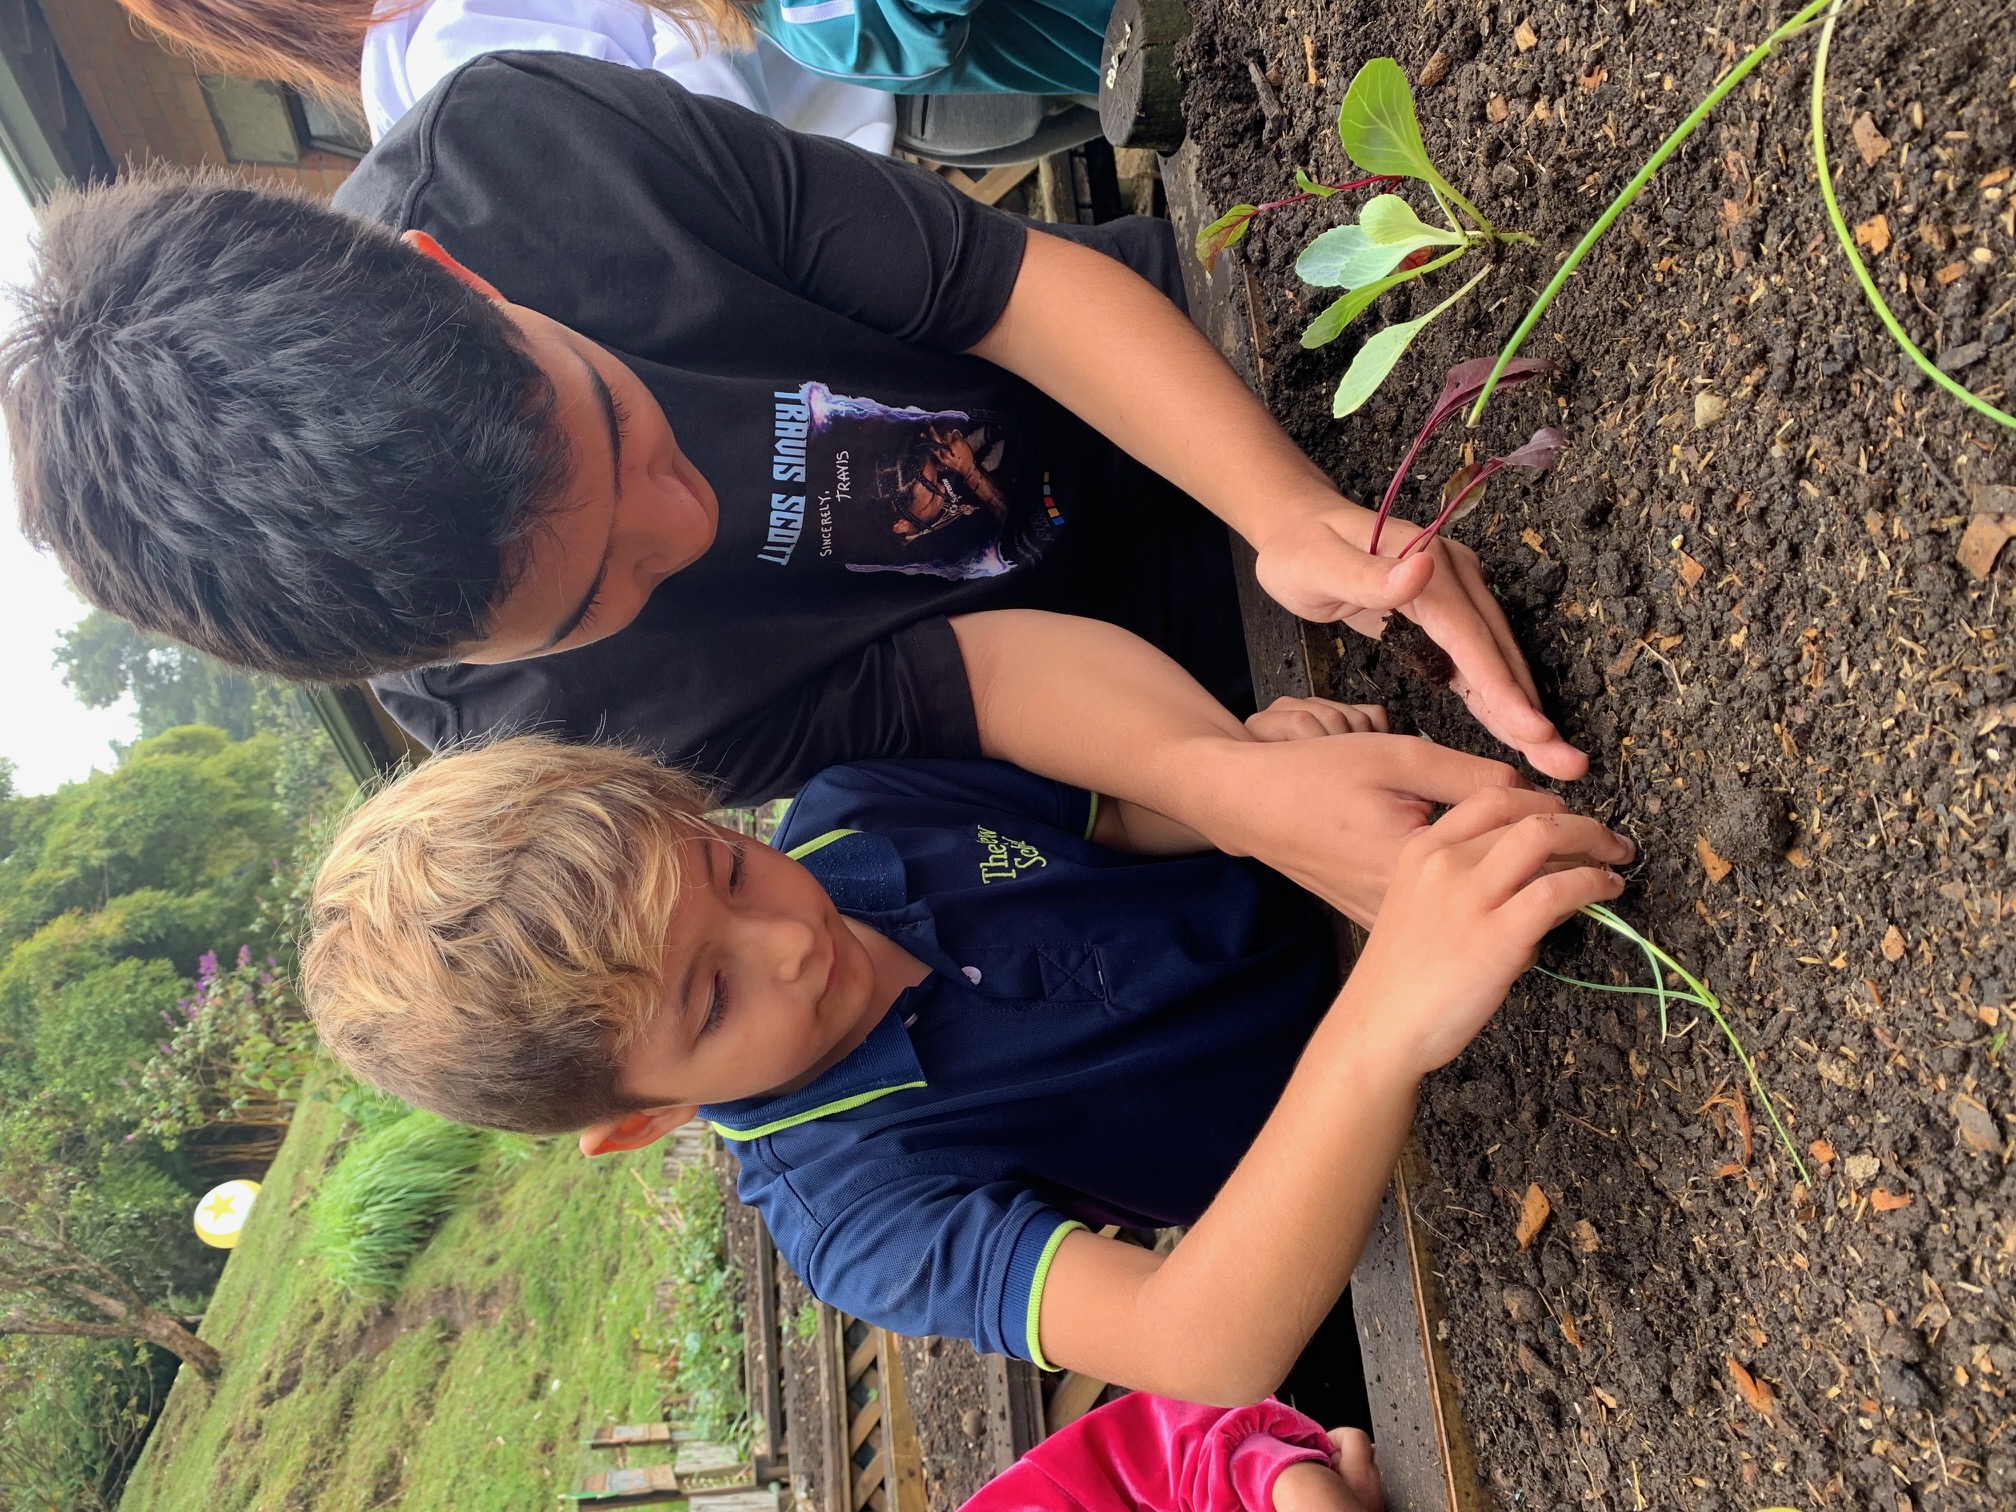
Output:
x=822 y=426
x=959 y=1017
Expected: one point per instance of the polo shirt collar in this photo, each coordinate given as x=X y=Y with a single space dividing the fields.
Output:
x=882 y=1063
x=862 y=874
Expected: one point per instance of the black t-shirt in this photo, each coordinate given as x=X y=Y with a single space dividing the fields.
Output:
x=800 y=310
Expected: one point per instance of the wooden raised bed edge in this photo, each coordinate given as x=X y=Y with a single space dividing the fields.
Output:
x=1425 y=1456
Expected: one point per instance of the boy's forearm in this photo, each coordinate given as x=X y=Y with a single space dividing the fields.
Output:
x=1226 y=1314
x=1107 y=345
x=1096 y=706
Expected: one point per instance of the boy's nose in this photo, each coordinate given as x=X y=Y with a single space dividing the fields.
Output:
x=789 y=946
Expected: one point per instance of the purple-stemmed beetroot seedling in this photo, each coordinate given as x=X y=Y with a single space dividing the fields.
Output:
x=1537 y=455
x=1460 y=386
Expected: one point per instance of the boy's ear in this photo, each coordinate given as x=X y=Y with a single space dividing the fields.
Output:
x=433 y=251
x=633 y=1131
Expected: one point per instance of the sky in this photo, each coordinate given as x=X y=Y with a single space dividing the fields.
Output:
x=49 y=736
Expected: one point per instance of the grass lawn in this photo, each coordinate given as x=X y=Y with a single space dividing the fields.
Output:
x=517 y=1330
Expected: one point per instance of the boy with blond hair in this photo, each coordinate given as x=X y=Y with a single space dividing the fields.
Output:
x=955 y=1020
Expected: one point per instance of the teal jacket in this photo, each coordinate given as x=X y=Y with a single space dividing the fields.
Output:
x=1046 y=47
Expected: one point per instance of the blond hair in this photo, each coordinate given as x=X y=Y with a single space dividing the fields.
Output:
x=486 y=933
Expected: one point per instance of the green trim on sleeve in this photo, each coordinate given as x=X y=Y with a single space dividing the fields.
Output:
x=800 y=852
x=1091 y=815
x=824 y=1111
x=1036 y=1291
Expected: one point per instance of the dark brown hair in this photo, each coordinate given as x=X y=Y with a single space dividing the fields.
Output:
x=271 y=430
x=315 y=45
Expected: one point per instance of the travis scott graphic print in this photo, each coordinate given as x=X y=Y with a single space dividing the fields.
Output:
x=878 y=488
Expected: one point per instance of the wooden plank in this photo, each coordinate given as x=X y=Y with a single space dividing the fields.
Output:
x=902 y=1456
x=764 y=1363
x=865 y=1422
x=993 y=184
x=835 y=1494
x=620 y=1435
x=865 y=1351
x=1014 y=1409
x=868 y=1482
x=1075 y=1396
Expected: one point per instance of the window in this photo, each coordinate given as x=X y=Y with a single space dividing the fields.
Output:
x=259 y=121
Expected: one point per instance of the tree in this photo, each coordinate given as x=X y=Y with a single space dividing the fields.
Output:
x=103 y=658
x=50 y=1286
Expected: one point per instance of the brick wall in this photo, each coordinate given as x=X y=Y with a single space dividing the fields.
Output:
x=147 y=102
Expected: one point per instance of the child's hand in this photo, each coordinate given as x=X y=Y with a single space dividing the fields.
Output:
x=1309 y=718
x=1349 y=1484
x=1464 y=916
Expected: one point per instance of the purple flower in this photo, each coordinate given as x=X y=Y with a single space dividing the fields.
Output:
x=206 y=966
x=244 y=956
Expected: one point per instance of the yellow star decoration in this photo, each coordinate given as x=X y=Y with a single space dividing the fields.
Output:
x=220 y=1206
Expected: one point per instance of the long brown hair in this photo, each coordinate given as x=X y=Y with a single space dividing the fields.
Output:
x=316 y=45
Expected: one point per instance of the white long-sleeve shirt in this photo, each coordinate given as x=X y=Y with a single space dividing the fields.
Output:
x=409 y=53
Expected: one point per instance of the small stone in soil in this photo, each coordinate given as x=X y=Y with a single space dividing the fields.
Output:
x=973 y=1422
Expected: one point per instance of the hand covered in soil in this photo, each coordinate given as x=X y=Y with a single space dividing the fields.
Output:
x=1333 y=812
x=1492 y=875
x=1317 y=567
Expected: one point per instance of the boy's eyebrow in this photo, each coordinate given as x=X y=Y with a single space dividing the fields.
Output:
x=686 y=982
x=607 y=402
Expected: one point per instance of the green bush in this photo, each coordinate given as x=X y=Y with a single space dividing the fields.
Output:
x=703 y=1309
x=388 y=1194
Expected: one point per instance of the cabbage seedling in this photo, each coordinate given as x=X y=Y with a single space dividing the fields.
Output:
x=1230 y=228
x=1389 y=245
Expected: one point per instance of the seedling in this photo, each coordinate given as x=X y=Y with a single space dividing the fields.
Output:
x=1462 y=491
x=1847 y=239
x=1632 y=190
x=1458 y=389
x=1389 y=245
x=1695 y=994
x=1230 y=228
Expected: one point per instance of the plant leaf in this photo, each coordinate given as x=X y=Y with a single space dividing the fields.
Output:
x=1453 y=489
x=1533 y=1211
x=1327 y=261
x=1387 y=233
x=1380 y=133
x=1307 y=185
x=1752 y=1390
x=1227 y=231
x=1388 y=220
x=1382 y=352
x=1326 y=327
x=1539 y=454
x=1377 y=126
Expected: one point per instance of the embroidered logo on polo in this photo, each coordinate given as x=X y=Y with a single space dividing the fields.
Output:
x=1002 y=858
x=879 y=488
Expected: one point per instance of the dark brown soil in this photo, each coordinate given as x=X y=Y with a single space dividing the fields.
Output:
x=1756 y=626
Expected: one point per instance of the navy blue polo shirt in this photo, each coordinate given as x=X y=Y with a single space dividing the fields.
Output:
x=1100 y=1040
